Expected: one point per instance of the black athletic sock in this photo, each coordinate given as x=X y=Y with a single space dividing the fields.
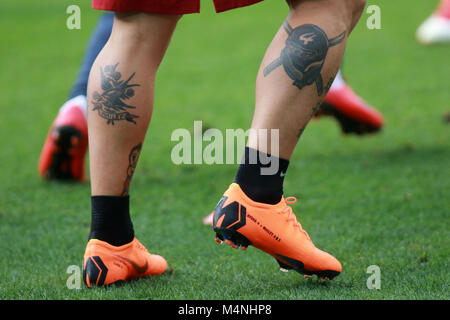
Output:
x=261 y=187
x=111 y=221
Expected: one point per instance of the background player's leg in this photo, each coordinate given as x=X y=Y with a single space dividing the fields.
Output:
x=97 y=41
x=62 y=157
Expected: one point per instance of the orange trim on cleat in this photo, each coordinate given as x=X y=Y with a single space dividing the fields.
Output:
x=105 y=264
x=273 y=229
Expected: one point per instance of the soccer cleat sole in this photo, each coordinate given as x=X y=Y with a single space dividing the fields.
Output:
x=231 y=237
x=298 y=266
x=66 y=140
x=236 y=240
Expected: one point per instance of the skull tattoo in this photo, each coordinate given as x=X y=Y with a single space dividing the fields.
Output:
x=304 y=55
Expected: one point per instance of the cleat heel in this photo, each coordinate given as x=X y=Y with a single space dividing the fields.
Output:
x=283 y=267
x=94 y=272
x=232 y=237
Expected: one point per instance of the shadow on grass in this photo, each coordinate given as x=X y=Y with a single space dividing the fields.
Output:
x=159 y=280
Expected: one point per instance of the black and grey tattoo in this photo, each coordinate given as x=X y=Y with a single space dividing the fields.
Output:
x=317 y=106
x=300 y=132
x=110 y=104
x=132 y=162
x=304 y=55
x=329 y=84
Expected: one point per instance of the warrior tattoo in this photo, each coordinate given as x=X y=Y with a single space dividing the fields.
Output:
x=110 y=104
x=132 y=163
x=304 y=55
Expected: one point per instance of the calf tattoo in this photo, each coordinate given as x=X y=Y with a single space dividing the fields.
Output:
x=317 y=106
x=132 y=162
x=304 y=55
x=110 y=103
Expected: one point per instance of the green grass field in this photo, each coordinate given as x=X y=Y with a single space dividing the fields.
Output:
x=380 y=200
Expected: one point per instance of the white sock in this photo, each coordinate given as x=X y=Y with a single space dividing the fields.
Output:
x=338 y=81
x=79 y=101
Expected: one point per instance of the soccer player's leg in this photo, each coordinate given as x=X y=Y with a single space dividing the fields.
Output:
x=62 y=157
x=120 y=100
x=436 y=29
x=295 y=75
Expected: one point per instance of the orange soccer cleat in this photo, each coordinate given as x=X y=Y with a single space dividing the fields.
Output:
x=62 y=157
x=105 y=264
x=274 y=229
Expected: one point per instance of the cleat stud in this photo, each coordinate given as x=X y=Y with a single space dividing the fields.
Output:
x=218 y=241
x=231 y=244
x=74 y=141
x=284 y=270
x=219 y=236
x=283 y=266
x=244 y=248
x=233 y=239
x=307 y=277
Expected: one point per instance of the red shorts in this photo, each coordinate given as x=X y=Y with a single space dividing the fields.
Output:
x=167 y=6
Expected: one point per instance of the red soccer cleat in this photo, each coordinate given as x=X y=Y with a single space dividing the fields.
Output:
x=62 y=157
x=351 y=111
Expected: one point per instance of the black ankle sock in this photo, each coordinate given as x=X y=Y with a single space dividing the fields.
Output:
x=111 y=221
x=266 y=188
